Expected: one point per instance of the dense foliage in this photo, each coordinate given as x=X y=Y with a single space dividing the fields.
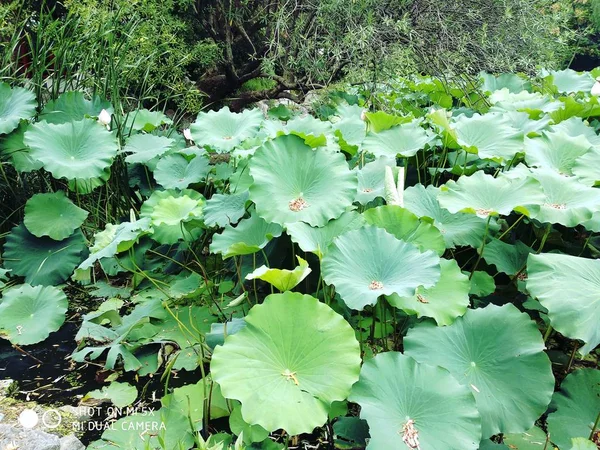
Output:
x=186 y=52
x=411 y=267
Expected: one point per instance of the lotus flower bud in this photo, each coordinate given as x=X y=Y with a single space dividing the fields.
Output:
x=596 y=88
x=363 y=115
x=104 y=118
x=187 y=134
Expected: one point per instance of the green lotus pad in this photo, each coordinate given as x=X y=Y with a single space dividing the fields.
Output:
x=292 y=360
x=497 y=352
x=552 y=279
x=294 y=183
x=72 y=150
x=409 y=405
x=16 y=104
x=369 y=262
x=28 y=314
x=53 y=215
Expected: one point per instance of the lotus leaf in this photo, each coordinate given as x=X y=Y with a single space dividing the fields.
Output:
x=222 y=130
x=72 y=106
x=444 y=302
x=28 y=314
x=53 y=215
x=294 y=183
x=43 y=260
x=555 y=151
x=120 y=394
x=114 y=239
x=533 y=439
x=410 y=406
x=575 y=407
x=143 y=148
x=403 y=140
x=498 y=353
x=485 y=195
x=226 y=209
x=249 y=236
x=176 y=172
x=317 y=240
x=282 y=279
x=16 y=104
x=292 y=360
x=145 y=120
x=371 y=178
x=407 y=227
x=568 y=81
x=553 y=279
x=369 y=262
x=72 y=150
x=508 y=258
x=12 y=146
x=491 y=136
x=456 y=229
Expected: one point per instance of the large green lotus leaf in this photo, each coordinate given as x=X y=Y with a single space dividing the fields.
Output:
x=498 y=352
x=456 y=229
x=172 y=211
x=223 y=130
x=575 y=127
x=350 y=126
x=12 y=146
x=508 y=258
x=294 y=183
x=369 y=262
x=371 y=179
x=569 y=81
x=567 y=286
x=114 y=239
x=406 y=226
x=556 y=151
x=29 y=314
x=522 y=121
x=73 y=150
x=16 y=104
x=404 y=140
x=567 y=201
x=185 y=325
x=292 y=360
x=249 y=236
x=484 y=195
x=490 y=136
x=533 y=439
x=575 y=407
x=444 y=302
x=42 y=260
x=313 y=131
x=415 y=406
x=53 y=215
x=510 y=81
x=143 y=148
x=282 y=279
x=145 y=120
x=189 y=401
x=72 y=106
x=176 y=172
x=381 y=120
x=225 y=209
x=532 y=103
x=587 y=169
x=317 y=240
x=175 y=215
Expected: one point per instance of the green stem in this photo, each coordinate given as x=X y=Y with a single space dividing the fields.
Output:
x=595 y=426
x=547 y=333
x=544 y=238
x=511 y=227
x=487 y=228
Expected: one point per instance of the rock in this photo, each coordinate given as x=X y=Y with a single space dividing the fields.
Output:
x=71 y=442
x=18 y=438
